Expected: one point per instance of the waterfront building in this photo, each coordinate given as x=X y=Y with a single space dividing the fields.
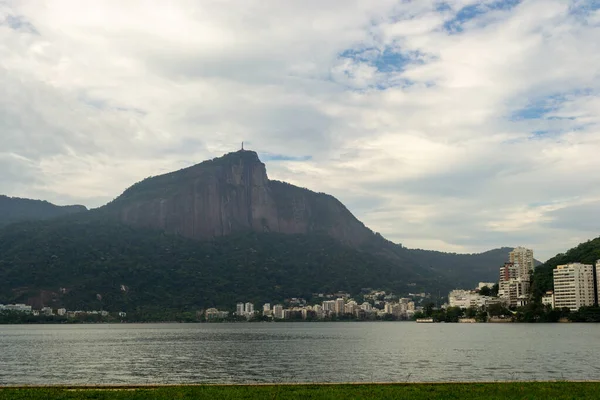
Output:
x=278 y=311
x=548 y=299
x=318 y=310
x=574 y=286
x=514 y=285
x=461 y=298
x=249 y=309
x=239 y=309
x=61 y=311
x=329 y=306
x=267 y=309
x=340 y=305
x=18 y=307
x=47 y=311
x=388 y=308
x=597 y=282
x=213 y=314
x=468 y=299
x=350 y=307
x=366 y=306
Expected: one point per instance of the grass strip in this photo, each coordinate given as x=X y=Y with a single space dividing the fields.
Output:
x=425 y=391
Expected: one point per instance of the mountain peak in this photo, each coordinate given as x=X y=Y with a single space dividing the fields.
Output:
x=229 y=194
x=244 y=156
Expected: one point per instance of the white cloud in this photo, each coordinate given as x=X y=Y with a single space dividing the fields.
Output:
x=437 y=139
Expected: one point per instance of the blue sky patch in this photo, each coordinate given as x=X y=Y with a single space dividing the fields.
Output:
x=534 y=111
x=538 y=109
x=467 y=13
x=20 y=24
x=584 y=7
x=387 y=60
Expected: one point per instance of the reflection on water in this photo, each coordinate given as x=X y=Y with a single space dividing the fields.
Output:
x=296 y=352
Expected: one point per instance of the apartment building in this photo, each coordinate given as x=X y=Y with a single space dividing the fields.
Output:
x=278 y=311
x=514 y=284
x=523 y=260
x=574 y=286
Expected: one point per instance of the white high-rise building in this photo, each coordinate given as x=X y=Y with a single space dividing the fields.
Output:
x=574 y=286
x=239 y=309
x=388 y=308
x=278 y=311
x=514 y=285
x=350 y=307
x=340 y=304
x=598 y=282
x=249 y=308
x=267 y=309
x=329 y=306
x=522 y=258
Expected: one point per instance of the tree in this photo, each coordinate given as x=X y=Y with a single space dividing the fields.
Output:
x=453 y=314
x=429 y=309
x=495 y=290
x=471 y=312
x=495 y=310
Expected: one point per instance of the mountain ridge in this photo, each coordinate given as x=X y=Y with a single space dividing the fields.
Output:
x=172 y=239
x=16 y=209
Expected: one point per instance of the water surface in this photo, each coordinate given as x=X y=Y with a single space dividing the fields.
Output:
x=296 y=352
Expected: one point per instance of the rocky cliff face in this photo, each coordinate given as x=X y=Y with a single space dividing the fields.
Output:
x=233 y=194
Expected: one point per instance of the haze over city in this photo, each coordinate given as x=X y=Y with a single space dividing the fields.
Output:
x=455 y=126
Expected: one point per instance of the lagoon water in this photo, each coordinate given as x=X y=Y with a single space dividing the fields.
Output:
x=296 y=352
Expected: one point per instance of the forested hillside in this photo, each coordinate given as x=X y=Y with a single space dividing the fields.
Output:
x=466 y=270
x=131 y=267
x=586 y=253
x=13 y=209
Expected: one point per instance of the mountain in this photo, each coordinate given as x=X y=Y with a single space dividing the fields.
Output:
x=465 y=269
x=14 y=209
x=133 y=267
x=214 y=234
x=586 y=253
x=233 y=194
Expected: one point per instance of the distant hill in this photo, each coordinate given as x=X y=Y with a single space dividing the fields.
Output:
x=586 y=253
x=214 y=234
x=464 y=270
x=14 y=209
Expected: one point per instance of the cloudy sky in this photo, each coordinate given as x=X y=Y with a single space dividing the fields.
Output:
x=451 y=125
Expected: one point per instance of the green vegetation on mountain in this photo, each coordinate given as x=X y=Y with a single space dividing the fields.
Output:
x=14 y=209
x=586 y=253
x=466 y=270
x=132 y=268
